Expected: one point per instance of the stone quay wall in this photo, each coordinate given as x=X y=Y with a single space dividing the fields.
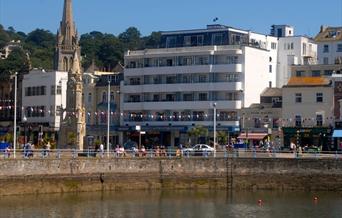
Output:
x=38 y=176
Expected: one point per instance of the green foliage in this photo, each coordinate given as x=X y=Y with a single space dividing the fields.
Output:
x=131 y=39
x=106 y=50
x=222 y=137
x=16 y=62
x=72 y=138
x=198 y=131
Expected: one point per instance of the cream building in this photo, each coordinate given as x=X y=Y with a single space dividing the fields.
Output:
x=308 y=112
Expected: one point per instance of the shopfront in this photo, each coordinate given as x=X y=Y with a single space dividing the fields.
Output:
x=318 y=136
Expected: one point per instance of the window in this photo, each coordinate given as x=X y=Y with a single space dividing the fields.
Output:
x=53 y=90
x=316 y=73
x=325 y=48
x=171 y=42
x=104 y=97
x=298 y=121
x=112 y=96
x=270 y=68
x=187 y=97
x=319 y=119
x=134 y=98
x=217 y=39
x=319 y=97
x=299 y=73
x=298 y=97
x=328 y=72
x=187 y=41
x=339 y=47
x=170 y=97
x=304 y=49
x=273 y=45
x=59 y=90
x=171 y=79
x=203 y=96
x=134 y=81
x=156 y=98
x=202 y=78
x=325 y=60
x=292 y=46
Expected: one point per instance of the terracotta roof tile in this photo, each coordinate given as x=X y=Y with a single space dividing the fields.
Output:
x=308 y=81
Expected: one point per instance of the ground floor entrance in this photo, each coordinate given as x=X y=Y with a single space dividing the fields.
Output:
x=320 y=137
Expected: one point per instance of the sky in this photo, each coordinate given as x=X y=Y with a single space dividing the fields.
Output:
x=112 y=16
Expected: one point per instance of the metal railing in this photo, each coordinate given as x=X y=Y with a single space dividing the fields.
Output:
x=167 y=154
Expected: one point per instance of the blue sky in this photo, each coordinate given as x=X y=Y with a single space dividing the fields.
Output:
x=113 y=16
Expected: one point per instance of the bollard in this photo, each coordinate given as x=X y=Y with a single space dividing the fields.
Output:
x=58 y=154
x=74 y=153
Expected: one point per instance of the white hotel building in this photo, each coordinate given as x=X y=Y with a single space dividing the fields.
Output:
x=171 y=89
x=43 y=95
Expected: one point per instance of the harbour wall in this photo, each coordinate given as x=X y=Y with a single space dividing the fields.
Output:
x=40 y=176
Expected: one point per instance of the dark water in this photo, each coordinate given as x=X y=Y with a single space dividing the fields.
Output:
x=174 y=204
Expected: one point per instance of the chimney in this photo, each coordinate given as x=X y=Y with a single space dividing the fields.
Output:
x=323 y=28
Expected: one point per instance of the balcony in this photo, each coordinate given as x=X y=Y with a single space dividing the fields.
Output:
x=180 y=105
x=219 y=68
x=183 y=87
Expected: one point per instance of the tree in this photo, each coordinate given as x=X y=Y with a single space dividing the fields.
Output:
x=222 y=137
x=40 y=45
x=4 y=37
x=110 y=52
x=72 y=138
x=131 y=39
x=196 y=132
x=152 y=41
x=17 y=61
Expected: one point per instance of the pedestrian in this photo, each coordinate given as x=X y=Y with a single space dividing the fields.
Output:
x=101 y=149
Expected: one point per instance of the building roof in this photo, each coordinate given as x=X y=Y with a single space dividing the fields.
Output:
x=328 y=34
x=271 y=92
x=308 y=82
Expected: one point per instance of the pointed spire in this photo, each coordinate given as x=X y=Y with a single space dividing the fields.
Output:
x=76 y=67
x=67 y=28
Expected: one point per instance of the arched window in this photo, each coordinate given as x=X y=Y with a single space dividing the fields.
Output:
x=112 y=96
x=104 y=97
x=65 y=64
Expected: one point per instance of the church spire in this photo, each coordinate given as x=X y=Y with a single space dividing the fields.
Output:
x=67 y=40
x=67 y=28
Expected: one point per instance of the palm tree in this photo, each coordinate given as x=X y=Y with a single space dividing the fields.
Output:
x=196 y=132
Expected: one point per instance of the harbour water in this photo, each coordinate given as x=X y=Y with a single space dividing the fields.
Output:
x=173 y=204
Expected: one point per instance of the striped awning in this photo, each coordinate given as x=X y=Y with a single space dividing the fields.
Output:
x=251 y=135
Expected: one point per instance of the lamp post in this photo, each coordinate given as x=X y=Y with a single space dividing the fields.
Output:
x=138 y=128
x=15 y=115
x=24 y=121
x=108 y=116
x=214 y=105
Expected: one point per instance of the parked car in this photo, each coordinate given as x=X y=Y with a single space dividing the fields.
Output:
x=199 y=150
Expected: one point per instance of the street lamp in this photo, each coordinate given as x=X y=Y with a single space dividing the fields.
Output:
x=24 y=121
x=214 y=105
x=138 y=128
x=15 y=114
x=108 y=116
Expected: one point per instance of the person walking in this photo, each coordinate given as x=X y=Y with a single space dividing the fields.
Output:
x=101 y=149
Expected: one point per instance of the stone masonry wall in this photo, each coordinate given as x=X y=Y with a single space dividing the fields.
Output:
x=76 y=175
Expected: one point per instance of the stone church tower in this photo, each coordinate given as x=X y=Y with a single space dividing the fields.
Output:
x=72 y=130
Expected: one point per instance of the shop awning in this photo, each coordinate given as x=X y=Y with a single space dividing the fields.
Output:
x=256 y=136
x=337 y=134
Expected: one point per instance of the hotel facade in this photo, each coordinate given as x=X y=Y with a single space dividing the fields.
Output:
x=169 y=90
